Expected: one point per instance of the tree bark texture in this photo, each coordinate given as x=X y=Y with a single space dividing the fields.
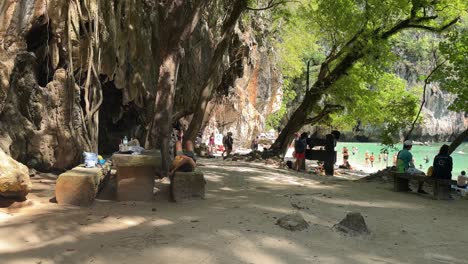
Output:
x=213 y=79
x=179 y=19
x=458 y=141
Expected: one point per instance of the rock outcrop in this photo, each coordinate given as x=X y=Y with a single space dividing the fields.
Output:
x=293 y=222
x=14 y=178
x=353 y=224
x=60 y=59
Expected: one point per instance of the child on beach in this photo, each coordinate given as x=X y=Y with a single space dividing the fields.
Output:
x=462 y=180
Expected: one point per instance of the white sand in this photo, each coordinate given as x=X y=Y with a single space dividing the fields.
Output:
x=236 y=224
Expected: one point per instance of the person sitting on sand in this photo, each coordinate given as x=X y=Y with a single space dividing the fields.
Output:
x=443 y=163
x=462 y=180
x=345 y=165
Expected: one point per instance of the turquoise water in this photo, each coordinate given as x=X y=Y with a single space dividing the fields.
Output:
x=460 y=156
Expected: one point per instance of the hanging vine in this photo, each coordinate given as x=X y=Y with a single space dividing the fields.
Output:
x=88 y=23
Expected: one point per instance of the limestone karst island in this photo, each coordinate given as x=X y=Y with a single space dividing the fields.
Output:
x=233 y=131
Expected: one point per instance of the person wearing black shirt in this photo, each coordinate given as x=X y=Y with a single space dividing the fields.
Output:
x=443 y=164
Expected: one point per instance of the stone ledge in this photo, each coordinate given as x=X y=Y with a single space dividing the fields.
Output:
x=79 y=186
x=188 y=186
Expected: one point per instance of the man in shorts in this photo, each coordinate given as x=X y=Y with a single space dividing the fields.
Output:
x=184 y=161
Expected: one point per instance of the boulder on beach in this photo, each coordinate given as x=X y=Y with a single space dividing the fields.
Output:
x=293 y=222
x=353 y=224
x=14 y=178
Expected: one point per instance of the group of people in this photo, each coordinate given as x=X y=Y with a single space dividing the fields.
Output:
x=226 y=148
x=440 y=169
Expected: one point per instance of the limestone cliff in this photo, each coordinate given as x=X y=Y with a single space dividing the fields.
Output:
x=255 y=89
x=79 y=75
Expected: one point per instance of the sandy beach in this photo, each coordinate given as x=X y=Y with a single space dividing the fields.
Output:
x=236 y=223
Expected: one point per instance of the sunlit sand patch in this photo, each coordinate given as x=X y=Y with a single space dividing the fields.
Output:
x=370 y=258
x=112 y=224
x=374 y=204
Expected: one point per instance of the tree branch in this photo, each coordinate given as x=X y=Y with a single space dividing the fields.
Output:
x=410 y=23
x=271 y=4
x=327 y=110
x=426 y=82
x=458 y=140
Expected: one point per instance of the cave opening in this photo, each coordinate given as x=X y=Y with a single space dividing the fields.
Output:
x=117 y=120
x=38 y=41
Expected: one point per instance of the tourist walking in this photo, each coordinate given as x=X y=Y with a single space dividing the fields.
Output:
x=300 y=146
x=211 y=143
x=228 y=142
x=254 y=145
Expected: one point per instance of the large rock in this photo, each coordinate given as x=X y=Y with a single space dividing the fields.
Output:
x=292 y=222
x=14 y=178
x=353 y=224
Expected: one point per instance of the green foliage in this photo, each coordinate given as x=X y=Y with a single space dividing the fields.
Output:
x=355 y=46
x=454 y=75
x=374 y=97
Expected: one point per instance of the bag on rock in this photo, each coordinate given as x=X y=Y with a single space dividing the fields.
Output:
x=90 y=159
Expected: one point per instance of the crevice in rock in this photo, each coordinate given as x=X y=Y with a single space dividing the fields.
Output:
x=38 y=40
x=117 y=120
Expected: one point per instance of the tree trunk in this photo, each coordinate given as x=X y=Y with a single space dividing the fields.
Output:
x=162 y=121
x=180 y=19
x=214 y=77
x=312 y=98
x=458 y=141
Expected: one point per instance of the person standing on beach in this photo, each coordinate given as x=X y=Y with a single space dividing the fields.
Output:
x=345 y=154
x=228 y=142
x=380 y=157
x=367 y=158
x=372 y=158
x=211 y=143
x=300 y=146
x=395 y=159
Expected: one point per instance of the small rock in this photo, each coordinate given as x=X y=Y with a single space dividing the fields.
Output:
x=153 y=209
x=292 y=222
x=353 y=224
x=32 y=172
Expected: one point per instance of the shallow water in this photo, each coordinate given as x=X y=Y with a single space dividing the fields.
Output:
x=460 y=156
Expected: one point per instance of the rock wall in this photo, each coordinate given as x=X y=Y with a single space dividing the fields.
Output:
x=46 y=50
x=254 y=93
x=440 y=124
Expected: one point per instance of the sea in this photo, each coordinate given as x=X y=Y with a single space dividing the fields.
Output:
x=459 y=156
